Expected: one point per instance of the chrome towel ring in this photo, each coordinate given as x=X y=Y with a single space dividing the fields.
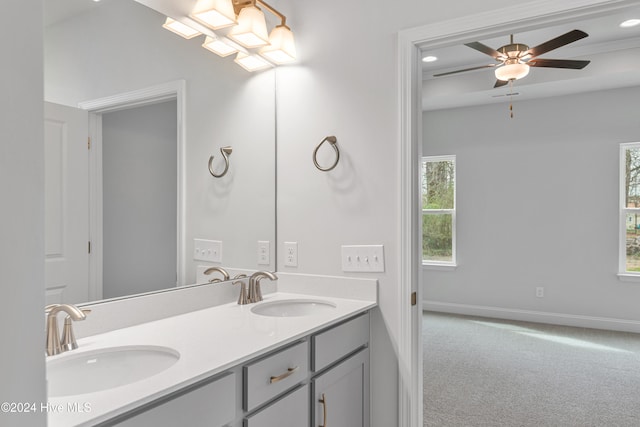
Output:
x=333 y=141
x=226 y=152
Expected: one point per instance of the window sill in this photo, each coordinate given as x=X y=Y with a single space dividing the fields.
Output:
x=628 y=277
x=440 y=266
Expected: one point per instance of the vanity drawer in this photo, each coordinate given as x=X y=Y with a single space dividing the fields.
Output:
x=332 y=345
x=291 y=410
x=275 y=374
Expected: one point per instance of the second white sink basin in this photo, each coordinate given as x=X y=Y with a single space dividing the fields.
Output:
x=106 y=368
x=293 y=308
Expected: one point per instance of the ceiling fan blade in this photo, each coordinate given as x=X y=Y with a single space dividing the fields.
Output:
x=485 y=49
x=559 y=41
x=558 y=63
x=466 y=69
x=500 y=83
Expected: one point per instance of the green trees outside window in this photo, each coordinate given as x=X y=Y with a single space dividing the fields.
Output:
x=438 y=209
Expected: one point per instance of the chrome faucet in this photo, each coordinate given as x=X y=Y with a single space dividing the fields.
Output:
x=255 y=294
x=225 y=274
x=53 y=345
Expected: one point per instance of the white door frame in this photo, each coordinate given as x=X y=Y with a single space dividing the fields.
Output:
x=137 y=98
x=483 y=25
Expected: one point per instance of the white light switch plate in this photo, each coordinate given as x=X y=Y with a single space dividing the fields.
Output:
x=207 y=250
x=363 y=258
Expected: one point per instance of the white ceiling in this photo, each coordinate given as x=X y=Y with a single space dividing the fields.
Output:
x=614 y=53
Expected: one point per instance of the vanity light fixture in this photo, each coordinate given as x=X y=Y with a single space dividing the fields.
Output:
x=180 y=29
x=215 y=13
x=218 y=46
x=251 y=62
x=248 y=37
x=251 y=31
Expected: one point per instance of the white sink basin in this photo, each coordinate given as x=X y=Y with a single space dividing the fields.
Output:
x=106 y=368
x=293 y=308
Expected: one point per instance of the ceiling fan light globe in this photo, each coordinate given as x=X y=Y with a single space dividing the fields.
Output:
x=509 y=72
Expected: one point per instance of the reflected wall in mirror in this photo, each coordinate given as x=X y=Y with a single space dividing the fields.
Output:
x=94 y=51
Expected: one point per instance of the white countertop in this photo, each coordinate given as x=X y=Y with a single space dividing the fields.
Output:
x=209 y=341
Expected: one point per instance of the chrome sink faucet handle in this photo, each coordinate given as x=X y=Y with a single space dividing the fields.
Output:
x=225 y=274
x=255 y=294
x=53 y=345
x=242 y=298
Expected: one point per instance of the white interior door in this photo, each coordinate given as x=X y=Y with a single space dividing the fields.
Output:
x=66 y=204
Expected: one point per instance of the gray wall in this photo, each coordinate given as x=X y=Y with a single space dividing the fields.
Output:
x=139 y=199
x=22 y=214
x=537 y=206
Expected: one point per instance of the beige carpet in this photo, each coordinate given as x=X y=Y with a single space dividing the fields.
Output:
x=486 y=372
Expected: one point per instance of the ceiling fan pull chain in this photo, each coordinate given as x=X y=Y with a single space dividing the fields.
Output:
x=511 y=99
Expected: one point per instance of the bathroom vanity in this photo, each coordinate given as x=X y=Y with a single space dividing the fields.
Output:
x=293 y=360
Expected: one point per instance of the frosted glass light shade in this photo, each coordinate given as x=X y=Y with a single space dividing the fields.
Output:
x=215 y=13
x=180 y=29
x=512 y=71
x=251 y=62
x=281 y=48
x=219 y=47
x=251 y=30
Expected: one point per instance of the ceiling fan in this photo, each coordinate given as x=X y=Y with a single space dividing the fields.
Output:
x=514 y=59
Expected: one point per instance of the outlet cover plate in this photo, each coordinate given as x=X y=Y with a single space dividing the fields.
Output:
x=291 y=254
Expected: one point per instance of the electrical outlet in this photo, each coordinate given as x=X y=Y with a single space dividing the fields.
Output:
x=263 y=252
x=540 y=292
x=291 y=254
x=207 y=250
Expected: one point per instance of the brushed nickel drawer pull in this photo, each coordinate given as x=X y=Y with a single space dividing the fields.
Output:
x=324 y=410
x=289 y=372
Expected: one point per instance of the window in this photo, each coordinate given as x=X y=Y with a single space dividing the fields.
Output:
x=630 y=209
x=438 y=210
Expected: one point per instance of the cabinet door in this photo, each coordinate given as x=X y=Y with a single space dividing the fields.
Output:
x=210 y=405
x=341 y=394
x=291 y=410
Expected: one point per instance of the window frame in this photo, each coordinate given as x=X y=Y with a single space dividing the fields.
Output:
x=623 y=274
x=431 y=264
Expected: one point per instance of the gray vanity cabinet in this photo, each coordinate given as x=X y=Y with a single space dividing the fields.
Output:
x=319 y=380
x=340 y=385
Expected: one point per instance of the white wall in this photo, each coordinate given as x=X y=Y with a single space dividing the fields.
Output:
x=537 y=206
x=22 y=213
x=121 y=46
x=345 y=85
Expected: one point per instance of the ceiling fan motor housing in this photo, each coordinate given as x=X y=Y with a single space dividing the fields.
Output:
x=513 y=50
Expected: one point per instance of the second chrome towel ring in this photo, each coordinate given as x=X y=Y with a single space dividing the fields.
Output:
x=332 y=140
x=226 y=152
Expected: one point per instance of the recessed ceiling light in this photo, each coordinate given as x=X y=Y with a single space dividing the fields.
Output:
x=630 y=23
x=429 y=59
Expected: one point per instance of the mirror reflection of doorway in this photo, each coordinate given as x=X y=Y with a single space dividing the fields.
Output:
x=139 y=184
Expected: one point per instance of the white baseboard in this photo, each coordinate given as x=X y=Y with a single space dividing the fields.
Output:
x=607 y=323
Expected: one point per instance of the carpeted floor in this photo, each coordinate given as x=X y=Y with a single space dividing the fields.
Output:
x=482 y=372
